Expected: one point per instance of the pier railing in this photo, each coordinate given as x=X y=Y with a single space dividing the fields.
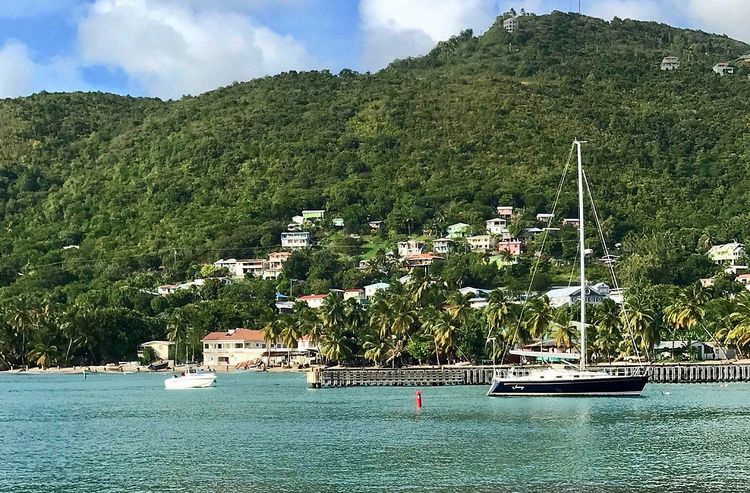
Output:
x=482 y=375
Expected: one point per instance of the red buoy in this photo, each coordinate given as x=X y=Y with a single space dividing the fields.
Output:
x=419 y=399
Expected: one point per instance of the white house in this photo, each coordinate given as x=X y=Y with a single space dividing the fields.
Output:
x=544 y=217
x=410 y=247
x=572 y=221
x=670 y=63
x=481 y=243
x=572 y=294
x=338 y=222
x=296 y=240
x=240 y=268
x=298 y=220
x=313 y=300
x=354 y=293
x=313 y=215
x=727 y=253
x=238 y=346
x=166 y=289
x=703 y=350
x=442 y=245
x=510 y=24
x=371 y=289
x=498 y=227
x=723 y=68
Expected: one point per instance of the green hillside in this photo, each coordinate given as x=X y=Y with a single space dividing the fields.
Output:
x=143 y=185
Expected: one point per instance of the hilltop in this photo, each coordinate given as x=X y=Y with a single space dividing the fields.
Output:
x=141 y=184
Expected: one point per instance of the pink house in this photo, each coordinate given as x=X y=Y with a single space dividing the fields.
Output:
x=512 y=247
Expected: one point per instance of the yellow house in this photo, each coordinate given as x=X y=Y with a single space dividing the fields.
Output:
x=162 y=349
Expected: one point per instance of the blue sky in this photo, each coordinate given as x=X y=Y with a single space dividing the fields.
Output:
x=168 y=48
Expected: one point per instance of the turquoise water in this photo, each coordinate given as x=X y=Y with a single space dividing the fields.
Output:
x=268 y=432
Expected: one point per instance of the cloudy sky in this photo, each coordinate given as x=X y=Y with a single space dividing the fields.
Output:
x=168 y=48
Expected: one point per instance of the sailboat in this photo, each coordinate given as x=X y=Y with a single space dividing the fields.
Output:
x=565 y=378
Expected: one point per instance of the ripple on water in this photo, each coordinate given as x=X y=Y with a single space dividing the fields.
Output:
x=268 y=432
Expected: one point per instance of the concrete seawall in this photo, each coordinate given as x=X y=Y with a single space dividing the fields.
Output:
x=482 y=375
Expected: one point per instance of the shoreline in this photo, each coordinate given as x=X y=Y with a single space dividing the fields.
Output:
x=131 y=369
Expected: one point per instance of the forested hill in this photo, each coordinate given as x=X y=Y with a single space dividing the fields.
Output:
x=140 y=183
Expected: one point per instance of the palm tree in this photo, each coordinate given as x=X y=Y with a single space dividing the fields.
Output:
x=289 y=334
x=176 y=332
x=19 y=317
x=564 y=331
x=375 y=350
x=687 y=311
x=337 y=345
x=638 y=321
x=380 y=315
x=436 y=324
x=333 y=312
x=501 y=311
x=607 y=323
x=44 y=352
x=539 y=316
x=271 y=333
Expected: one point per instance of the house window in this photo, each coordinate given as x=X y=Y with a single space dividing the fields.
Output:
x=218 y=346
x=205 y=346
x=238 y=345
x=263 y=345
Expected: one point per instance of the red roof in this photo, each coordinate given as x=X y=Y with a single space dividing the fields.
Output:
x=423 y=256
x=743 y=276
x=237 y=335
x=312 y=297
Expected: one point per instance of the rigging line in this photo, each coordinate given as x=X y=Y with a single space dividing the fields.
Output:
x=541 y=251
x=611 y=267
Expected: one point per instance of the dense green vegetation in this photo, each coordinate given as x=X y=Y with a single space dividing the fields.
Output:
x=150 y=190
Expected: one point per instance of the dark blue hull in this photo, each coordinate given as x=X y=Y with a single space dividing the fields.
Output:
x=605 y=386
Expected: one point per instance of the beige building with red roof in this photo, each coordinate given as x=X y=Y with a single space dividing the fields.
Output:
x=237 y=346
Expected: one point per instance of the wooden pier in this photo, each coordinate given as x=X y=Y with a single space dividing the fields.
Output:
x=482 y=375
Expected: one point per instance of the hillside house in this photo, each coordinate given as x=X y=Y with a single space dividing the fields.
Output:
x=544 y=217
x=313 y=300
x=728 y=253
x=296 y=240
x=239 y=268
x=459 y=230
x=510 y=24
x=512 y=247
x=744 y=279
x=313 y=215
x=723 y=68
x=354 y=293
x=670 y=63
x=371 y=289
x=505 y=211
x=572 y=294
x=166 y=289
x=337 y=222
x=421 y=260
x=443 y=246
x=572 y=221
x=410 y=247
x=375 y=225
x=481 y=243
x=498 y=226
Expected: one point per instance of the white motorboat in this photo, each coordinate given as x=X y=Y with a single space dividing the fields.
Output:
x=192 y=379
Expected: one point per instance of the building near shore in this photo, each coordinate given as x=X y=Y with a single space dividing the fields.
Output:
x=239 y=346
x=163 y=350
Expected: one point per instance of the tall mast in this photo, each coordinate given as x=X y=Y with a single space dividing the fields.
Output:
x=582 y=251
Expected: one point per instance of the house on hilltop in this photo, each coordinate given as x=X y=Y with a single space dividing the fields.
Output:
x=459 y=230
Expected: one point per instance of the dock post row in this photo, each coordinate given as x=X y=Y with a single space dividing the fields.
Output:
x=482 y=375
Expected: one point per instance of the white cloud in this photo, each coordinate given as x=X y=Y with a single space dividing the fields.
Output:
x=646 y=10
x=401 y=28
x=16 y=70
x=171 y=49
x=730 y=17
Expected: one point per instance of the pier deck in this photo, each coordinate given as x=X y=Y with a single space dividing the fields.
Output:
x=482 y=375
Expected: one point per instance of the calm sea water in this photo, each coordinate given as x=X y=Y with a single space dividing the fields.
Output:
x=268 y=432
